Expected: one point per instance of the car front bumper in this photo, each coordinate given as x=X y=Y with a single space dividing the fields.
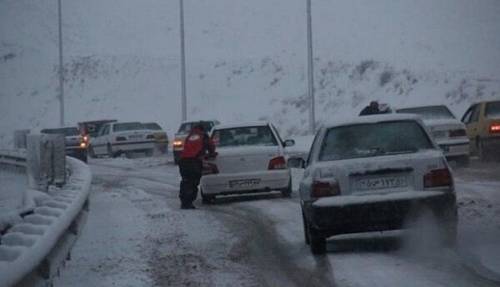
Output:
x=366 y=215
x=247 y=182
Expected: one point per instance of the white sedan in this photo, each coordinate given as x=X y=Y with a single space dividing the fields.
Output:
x=370 y=174
x=250 y=159
x=116 y=138
x=447 y=130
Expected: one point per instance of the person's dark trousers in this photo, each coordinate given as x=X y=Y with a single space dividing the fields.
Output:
x=190 y=170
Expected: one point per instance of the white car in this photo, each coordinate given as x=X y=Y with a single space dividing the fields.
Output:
x=370 y=174
x=447 y=130
x=116 y=138
x=250 y=159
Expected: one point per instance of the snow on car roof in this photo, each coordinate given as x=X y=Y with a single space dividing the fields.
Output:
x=244 y=124
x=372 y=119
x=419 y=106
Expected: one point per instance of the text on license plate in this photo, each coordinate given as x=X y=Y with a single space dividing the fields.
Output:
x=381 y=183
x=244 y=182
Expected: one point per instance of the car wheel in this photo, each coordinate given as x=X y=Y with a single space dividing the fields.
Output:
x=149 y=152
x=83 y=156
x=480 y=150
x=463 y=161
x=287 y=192
x=206 y=199
x=91 y=152
x=110 y=151
x=317 y=243
x=306 y=234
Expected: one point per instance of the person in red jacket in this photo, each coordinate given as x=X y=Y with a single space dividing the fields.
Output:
x=197 y=146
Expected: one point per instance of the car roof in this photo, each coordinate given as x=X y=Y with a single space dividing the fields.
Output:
x=370 y=119
x=243 y=124
x=197 y=121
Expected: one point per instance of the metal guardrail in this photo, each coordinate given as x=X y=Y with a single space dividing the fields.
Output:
x=33 y=249
x=13 y=157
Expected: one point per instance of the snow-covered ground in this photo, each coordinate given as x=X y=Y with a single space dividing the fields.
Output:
x=137 y=236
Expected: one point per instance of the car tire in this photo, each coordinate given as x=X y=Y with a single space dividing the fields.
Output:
x=207 y=199
x=149 y=152
x=306 y=234
x=91 y=152
x=480 y=150
x=463 y=161
x=83 y=156
x=111 y=154
x=287 y=192
x=317 y=243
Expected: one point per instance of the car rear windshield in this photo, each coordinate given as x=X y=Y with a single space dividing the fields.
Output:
x=153 y=126
x=377 y=139
x=185 y=128
x=65 y=131
x=430 y=112
x=244 y=136
x=493 y=110
x=128 y=127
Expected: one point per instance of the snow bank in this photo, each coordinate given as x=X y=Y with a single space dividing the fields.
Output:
x=25 y=246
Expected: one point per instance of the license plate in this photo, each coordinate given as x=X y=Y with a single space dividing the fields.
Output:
x=241 y=183
x=135 y=136
x=381 y=183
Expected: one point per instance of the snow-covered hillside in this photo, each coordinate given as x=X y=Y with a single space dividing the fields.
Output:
x=246 y=59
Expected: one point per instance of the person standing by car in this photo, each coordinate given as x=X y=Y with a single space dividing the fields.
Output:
x=197 y=145
x=371 y=109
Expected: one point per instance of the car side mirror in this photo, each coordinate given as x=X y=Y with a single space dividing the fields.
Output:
x=296 y=162
x=289 y=143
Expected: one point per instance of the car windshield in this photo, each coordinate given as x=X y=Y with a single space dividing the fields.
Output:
x=430 y=112
x=128 y=127
x=368 y=140
x=152 y=126
x=65 y=131
x=493 y=110
x=186 y=127
x=244 y=136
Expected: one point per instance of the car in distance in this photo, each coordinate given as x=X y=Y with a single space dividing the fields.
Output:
x=161 y=137
x=448 y=132
x=371 y=174
x=482 y=121
x=182 y=133
x=116 y=138
x=250 y=159
x=76 y=144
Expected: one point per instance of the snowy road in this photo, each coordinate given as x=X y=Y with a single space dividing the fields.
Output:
x=137 y=236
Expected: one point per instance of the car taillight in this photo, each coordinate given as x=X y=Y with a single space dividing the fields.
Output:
x=324 y=189
x=437 y=178
x=120 y=139
x=494 y=128
x=83 y=145
x=178 y=143
x=457 y=133
x=209 y=168
x=86 y=138
x=278 y=162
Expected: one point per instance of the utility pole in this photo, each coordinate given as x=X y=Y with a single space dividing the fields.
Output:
x=310 y=70
x=61 y=67
x=183 y=62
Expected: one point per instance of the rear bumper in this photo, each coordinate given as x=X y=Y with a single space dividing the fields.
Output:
x=134 y=146
x=381 y=215
x=455 y=148
x=220 y=184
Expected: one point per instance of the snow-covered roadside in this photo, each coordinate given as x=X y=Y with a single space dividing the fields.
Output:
x=26 y=244
x=139 y=238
